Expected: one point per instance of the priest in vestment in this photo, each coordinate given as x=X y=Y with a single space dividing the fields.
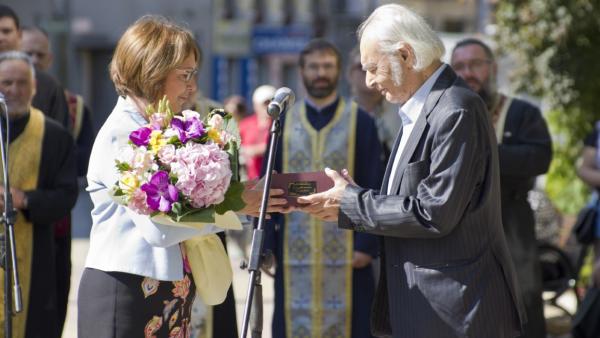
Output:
x=43 y=180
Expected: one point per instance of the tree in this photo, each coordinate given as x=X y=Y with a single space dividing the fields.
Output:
x=557 y=45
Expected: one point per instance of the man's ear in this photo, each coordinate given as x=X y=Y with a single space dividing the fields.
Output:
x=406 y=54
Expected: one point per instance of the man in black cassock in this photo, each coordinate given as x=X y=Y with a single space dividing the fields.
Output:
x=324 y=281
x=525 y=151
x=43 y=177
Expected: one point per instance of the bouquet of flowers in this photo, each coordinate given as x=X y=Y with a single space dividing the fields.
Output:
x=181 y=166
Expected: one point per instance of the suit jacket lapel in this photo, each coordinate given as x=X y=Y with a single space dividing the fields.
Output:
x=445 y=80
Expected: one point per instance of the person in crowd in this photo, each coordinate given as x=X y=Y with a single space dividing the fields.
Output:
x=324 y=282
x=254 y=131
x=524 y=152
x=36 y=44
x=49 y=95
x=43 y=179
x=446 y=269
x=134 y=264
x=384 y=113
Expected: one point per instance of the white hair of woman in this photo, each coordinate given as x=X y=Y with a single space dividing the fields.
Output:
x=394 y=24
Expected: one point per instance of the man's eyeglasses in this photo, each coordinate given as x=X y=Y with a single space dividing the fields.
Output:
x=473 y=65
x=187 y=74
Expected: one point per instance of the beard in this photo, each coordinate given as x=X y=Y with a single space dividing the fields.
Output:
x=489 y=94
x=320 y=91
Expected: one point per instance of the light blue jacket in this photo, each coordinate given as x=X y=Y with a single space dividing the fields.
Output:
x=122 y=240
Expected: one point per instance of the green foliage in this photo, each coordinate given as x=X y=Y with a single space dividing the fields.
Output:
x=556 y=44
x=233 y=199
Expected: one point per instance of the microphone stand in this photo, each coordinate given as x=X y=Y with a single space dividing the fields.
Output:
x=10 y=258
x=255 y=311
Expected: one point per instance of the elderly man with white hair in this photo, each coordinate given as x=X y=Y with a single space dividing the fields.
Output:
x=446 y=270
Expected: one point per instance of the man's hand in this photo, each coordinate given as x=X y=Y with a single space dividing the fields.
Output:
x=18 y=199
x=361 y=260
x=325 y=205
x=252 y=196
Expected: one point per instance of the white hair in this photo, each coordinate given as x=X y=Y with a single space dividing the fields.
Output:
x=17 y=55
x=393 y=24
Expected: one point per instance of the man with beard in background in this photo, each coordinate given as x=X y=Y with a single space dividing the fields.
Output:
x=525 y=151
x=324 y=283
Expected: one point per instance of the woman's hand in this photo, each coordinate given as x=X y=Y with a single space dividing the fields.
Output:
x=252 y=196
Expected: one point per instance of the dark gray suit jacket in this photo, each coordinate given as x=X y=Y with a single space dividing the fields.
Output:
x=446 y=271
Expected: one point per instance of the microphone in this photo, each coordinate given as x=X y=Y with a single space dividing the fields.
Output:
x=282 y=100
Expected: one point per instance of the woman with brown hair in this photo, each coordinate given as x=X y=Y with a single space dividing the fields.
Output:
x=136 y=282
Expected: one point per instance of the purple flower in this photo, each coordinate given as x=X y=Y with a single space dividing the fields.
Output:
x=187 y=129
x=160 y=194
x=140 y=137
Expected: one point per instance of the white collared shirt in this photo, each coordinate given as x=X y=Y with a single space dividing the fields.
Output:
x=409 y=113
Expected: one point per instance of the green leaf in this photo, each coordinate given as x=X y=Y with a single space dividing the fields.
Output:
x=234 y=160
x=233 y=199
x=206 y=215
x=176 y=208
x=122 y=166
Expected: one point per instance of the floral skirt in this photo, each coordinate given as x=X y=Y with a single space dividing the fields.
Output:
x=116 y=304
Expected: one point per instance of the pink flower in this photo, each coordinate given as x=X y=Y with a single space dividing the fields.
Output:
x=137 y=203
x=158 y=121
x=166 y=154
x=203 y=173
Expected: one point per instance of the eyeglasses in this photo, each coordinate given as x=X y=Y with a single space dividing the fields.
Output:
x=473 y=65
x=188 y=74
